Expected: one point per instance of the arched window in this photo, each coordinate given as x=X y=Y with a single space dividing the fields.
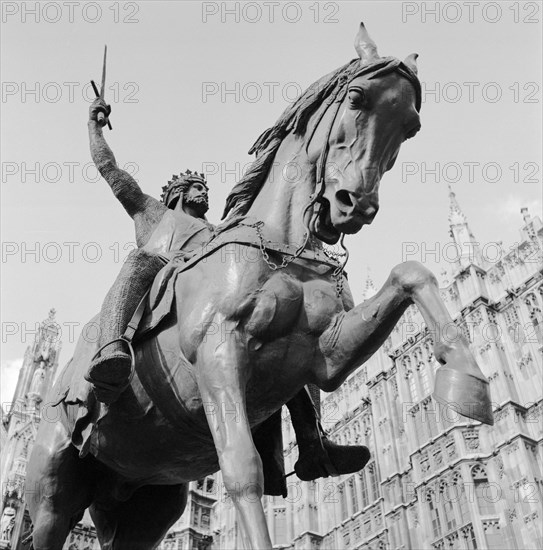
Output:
x=485 y=493
x=279 y=526
x=313 y=517
x=447 y=492
x=435 y=516
x=413 y=388
x=344 y=510
x=429 y=413
x=357 y=433
x=535 y=315
x=374 y=481
x=424 y=382
x=417 y=357
x=420 y=367
x=364 y=494
x=460 y=497
x=408 y=373
x=429 y=349
x=431 y=361
x=354 y=495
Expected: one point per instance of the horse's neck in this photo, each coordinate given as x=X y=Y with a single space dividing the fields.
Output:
x=285 y=194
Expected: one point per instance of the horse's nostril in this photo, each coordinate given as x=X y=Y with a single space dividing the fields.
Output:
x=371 y=211
x=344 y=198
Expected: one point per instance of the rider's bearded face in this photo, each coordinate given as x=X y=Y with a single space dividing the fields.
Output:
x=196 y=198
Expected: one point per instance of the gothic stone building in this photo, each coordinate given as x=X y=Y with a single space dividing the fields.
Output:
x=21 y=425
x=436 y=480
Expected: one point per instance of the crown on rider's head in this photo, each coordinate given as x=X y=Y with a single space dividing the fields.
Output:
x=181 y=182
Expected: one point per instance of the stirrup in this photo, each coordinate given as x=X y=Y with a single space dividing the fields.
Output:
x=132 y=361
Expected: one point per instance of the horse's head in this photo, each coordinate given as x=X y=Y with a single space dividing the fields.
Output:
x=375 y=111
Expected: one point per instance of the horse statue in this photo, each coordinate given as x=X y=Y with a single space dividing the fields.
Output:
x=249 y=329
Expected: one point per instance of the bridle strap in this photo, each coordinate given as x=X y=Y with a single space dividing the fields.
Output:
x=338 y=98
x=321 y=166
x=339 y=95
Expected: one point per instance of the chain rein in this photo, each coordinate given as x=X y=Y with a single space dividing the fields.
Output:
x=287 y=259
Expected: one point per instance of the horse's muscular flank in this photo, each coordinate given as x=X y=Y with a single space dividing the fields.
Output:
x=276 y=307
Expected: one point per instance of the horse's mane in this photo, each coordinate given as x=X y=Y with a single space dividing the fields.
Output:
x=294 y=119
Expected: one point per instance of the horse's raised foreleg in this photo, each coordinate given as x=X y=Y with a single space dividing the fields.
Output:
x=354 y=336
x=222 y=368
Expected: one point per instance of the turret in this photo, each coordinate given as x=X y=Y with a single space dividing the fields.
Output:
x=468 y=251
x=39 y=366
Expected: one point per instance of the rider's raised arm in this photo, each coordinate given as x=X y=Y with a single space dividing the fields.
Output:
x=123 y=185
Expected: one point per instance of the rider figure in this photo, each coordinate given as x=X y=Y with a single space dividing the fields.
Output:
x=178 y=225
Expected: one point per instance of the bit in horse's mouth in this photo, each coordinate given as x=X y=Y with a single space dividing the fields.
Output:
x=321 y=223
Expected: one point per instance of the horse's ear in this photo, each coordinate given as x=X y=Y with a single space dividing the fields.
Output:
x=411 y=62
x=365 y=47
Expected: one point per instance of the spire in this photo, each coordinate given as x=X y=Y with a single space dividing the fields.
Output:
x=39 y=365
x=456 y=216
x=526 y=215
x=467 y=248
x=531 y=227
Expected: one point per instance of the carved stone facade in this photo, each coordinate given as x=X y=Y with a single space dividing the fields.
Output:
x=21 y=423
x=436 y=480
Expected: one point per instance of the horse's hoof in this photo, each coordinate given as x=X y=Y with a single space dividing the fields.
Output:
x=466 y=394
x=333 y=460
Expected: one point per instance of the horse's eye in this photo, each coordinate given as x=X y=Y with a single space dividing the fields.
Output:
x=357 y=98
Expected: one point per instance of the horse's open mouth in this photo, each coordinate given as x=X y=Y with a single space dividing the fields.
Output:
x=321 y=224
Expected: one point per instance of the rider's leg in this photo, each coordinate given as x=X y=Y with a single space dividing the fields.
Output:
x=319 y=457
x=109 y=373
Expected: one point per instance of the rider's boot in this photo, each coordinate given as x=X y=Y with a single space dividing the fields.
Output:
x=319 y=457
x=109 y=373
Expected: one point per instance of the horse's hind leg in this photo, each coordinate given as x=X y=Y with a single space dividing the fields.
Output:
x=142 y=521
x=58 y=486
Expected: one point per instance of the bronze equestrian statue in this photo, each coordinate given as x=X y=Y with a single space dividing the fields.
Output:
x=177 y=228
x=224 y=342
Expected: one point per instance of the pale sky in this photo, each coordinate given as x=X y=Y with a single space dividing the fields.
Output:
x=192 y=87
